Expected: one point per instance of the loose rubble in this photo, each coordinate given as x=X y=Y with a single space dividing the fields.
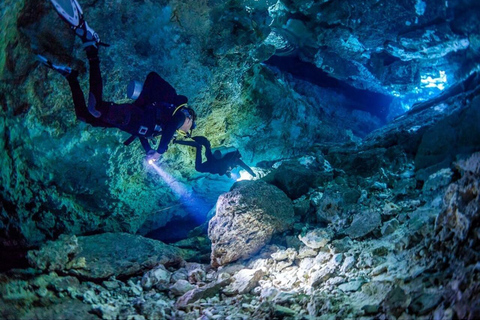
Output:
x=383 y=257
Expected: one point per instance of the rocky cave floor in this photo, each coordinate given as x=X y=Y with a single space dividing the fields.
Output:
x=374 y=247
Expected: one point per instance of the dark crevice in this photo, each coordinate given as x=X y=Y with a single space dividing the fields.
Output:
x=175 y=230
x=376 y=104
x=415 y=27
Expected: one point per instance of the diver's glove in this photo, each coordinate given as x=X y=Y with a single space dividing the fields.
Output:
x=152 y=156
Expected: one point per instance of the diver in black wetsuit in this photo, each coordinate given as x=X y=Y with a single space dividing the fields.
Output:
x=216 y=164
x=157 y=111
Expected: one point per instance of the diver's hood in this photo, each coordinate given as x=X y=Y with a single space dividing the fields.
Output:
x=179 y=119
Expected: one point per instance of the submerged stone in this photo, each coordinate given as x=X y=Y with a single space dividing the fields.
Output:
x=158 y=278
x=296 y=178
x=244 y=281
x=104 y=255
x=317 y=239
x=363 y=223
x=246 y=219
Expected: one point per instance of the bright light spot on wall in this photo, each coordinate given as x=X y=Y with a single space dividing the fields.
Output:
x=405 y=106
x=244 y=175
x=420 y=7
x=437 y=82
x=396 y=94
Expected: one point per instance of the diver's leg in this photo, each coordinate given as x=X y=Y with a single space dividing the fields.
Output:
x=204 y=142
x=81 y=111
x=187 y=143
x=71 y=75
x=95 y=98
x=200 y=166
x=78 y=99
x=71 y=12
x=198 y=153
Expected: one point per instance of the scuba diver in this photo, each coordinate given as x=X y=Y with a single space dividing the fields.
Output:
x=158 y=110
x=217 y=163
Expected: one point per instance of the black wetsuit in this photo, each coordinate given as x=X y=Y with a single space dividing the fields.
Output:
x=150 y=115
x=221 y=166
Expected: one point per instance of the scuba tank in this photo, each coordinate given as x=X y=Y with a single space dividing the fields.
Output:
x=134 y=88
x=220 y=152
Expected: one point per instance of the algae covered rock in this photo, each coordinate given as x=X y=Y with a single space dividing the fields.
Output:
x=246 y=219
x=54 y=255
x=104 y=255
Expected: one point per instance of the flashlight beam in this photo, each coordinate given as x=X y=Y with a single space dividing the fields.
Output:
x=194 y=205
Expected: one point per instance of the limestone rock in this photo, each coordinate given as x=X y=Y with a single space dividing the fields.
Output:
x=363 y=223
x=348 y=263
x=470 y=164
x=322 y=275
x=295 y=178
x=390 y=226
x=203 y=292
x=306 y=252
x=181 y=287
x=158 y=278
x=330 y=206
x=458 y=133
x=425 y=303
x=396 y=301
x=316 y=239
x=363 y=163
x=438 y=180
x=455 y=223
x=244 y=281
x=281 y=255
x=55 y=255
x=351 y=286
x=246 y=219
x=105 y=255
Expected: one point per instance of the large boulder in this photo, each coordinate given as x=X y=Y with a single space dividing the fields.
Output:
x=296 y=177
x=103 y=255
x=246 y=219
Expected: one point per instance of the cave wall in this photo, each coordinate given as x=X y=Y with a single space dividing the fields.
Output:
x=385 y=46
x=61 y=176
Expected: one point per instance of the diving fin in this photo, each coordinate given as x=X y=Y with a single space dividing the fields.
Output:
x=71 y=12
x=64 y=71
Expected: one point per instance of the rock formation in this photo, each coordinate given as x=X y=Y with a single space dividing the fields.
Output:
x=246 y=218
x=360 y=119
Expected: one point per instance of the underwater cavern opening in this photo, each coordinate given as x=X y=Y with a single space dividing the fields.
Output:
x=377 y=104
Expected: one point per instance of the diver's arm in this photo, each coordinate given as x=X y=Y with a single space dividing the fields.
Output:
x=167 y=135
x=247 y=168
x=152 y=155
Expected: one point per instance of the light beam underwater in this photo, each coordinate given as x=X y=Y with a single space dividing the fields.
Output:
x=194 y=205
